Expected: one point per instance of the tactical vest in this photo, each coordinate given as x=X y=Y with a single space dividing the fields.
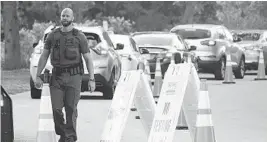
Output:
x=65 y=50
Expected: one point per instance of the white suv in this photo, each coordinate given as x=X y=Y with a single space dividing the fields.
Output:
x=107 y=62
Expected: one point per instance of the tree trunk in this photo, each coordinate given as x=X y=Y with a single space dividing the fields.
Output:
x=189 y=12
x=11 y=31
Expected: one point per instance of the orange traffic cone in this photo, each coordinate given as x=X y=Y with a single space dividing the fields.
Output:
x=158 y=80
x=189 y=60
x=182 y=124
x=204 y=126
x=261 y=68
x=46 y=132
x=147 y=72
x=228 y=77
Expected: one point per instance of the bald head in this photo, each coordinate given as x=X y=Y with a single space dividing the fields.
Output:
x=67 y=11
x=67 y=17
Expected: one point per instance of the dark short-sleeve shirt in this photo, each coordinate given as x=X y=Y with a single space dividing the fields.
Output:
x=83 y=41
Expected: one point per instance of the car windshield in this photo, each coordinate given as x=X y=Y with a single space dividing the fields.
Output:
x=249 y=36
x=193 y=33
x=155 y=40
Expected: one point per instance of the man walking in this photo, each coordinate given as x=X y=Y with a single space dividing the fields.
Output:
x=66 y=46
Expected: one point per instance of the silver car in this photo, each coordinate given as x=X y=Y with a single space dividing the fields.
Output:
x=251 y=41
x=213 y=42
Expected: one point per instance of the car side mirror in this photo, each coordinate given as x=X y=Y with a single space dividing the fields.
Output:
x=119 y=46
x=237 y=39
x=34 y=44
x=144 y=51
x=192 y=48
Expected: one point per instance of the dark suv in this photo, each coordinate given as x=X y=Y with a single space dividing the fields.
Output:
x=212 y=42
x=155 y=45
x=107 y=63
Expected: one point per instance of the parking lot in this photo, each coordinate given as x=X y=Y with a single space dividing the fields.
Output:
x=238 y=110
x=202 y=63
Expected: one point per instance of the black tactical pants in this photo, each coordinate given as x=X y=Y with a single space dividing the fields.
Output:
x=65 y=92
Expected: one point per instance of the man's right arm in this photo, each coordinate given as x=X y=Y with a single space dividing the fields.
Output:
x=42 y=61
x=46 y=52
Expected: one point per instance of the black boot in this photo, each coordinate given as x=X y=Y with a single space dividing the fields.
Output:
x=62 y=139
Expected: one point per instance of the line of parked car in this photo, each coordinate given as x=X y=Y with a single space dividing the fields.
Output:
x=206 y=45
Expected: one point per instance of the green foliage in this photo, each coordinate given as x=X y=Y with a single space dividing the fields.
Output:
x=242 y=15
x=120 y=26
x=128 y=16
x=116 y=24
x=38 y=29
x=27 y=38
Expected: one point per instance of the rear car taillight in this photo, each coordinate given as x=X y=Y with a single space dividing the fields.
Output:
x=208 y=42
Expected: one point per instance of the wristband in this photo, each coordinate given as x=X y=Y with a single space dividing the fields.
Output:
x=91 y=79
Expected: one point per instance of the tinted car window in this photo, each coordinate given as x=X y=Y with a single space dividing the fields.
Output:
x=93 y=39
x=161 y=40
x=250 y=36
x=193 y=33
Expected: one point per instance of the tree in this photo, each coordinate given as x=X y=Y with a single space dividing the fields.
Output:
x=198 y=12
x=242 y=15
x=11 y=31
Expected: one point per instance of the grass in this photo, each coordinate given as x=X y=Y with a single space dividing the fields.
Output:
x=15 y=81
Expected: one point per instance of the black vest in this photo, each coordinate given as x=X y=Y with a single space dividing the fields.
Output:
x=65 y=50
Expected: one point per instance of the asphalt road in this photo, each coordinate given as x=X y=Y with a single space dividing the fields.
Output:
x=239 y=114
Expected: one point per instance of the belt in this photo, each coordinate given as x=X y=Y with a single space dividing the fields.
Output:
x=70 y=70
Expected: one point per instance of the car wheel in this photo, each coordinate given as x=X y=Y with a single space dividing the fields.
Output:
x=177 y=58
x=240 y=72
x=109 y=90
x=220 y=71
x=35 y=93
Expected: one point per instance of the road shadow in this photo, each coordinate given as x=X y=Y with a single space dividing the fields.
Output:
x=93 y=97
x=251 y=73
x=209 y=78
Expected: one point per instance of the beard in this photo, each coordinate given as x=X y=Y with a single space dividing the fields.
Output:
x=66 y=23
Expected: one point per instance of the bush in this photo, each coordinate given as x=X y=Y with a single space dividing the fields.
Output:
x=38 y=29
x=120 y=26
x=88 y=23
x=27 y=38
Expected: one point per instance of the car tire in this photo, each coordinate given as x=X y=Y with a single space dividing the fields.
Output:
x=177 y=58
x=240 y=72
x=219 y=73
x=109 y=90
x=35 y=93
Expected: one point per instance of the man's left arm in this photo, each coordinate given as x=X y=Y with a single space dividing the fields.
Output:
x=89 y=64
x=87 y=56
